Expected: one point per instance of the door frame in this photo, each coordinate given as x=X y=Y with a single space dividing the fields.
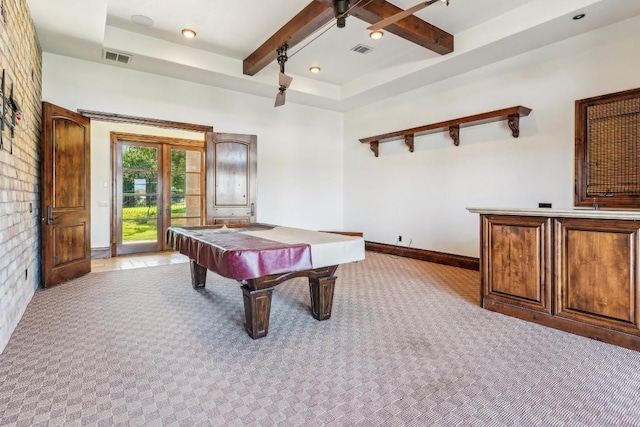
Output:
x=161 y=142
x=144 y=121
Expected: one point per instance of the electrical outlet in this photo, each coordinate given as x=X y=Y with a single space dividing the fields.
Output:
x=399 y=238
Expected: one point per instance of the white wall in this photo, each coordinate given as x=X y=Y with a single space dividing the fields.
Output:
x=423 y=195
x=300 y=155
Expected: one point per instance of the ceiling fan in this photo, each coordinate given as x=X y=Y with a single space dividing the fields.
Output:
x=398 y=16
x=283 y=80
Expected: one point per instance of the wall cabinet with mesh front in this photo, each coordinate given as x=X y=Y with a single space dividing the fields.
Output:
x=607 y=150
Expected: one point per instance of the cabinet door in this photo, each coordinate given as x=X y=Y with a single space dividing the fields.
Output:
x=597 y=272
x=516 y=267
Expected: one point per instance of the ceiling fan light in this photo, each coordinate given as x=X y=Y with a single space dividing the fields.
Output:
x=188 y=33
x=280 y=98
x=284 y=80
x=376 y=35
x=315 y=69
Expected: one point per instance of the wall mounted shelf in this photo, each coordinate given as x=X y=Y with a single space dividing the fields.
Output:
x=511 y=114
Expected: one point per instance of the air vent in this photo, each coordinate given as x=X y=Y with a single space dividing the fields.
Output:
x=120 y=57
x=363 y=49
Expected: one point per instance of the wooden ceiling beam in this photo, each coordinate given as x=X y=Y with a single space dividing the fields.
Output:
x=410 y=28
x=301 y=26
x=319 y=12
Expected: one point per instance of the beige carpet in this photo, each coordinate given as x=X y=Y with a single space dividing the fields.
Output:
x=407 y=345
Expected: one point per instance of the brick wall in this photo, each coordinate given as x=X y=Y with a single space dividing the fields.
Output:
x=21 y=58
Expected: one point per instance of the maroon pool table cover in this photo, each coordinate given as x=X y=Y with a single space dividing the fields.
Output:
x=233 y=254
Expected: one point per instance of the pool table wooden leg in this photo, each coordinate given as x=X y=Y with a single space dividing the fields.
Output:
x=321 y=290
x=257 y=307
x=198 y=275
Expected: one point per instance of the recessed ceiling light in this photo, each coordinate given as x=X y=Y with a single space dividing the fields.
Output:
x=188 y=33
x=315 y=69
x=376 y=35
x=145 y=21
x=579 y=16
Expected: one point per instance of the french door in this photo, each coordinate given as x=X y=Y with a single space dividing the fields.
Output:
x=158 y=183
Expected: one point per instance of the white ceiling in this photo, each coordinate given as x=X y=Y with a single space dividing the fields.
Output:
x=485 y=31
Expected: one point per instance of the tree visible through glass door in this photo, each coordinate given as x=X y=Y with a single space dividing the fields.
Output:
x=186 y=188
x=140 y=196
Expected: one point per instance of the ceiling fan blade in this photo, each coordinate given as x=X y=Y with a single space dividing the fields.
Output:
x=398 y=16
x=284 y=80
x=280 y=98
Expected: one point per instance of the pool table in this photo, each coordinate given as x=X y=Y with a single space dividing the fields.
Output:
x=261 y=256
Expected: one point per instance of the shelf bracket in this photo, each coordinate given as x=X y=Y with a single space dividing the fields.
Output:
x=454 y=133
x=514 y=125
x=408 y=140
x=374 y=147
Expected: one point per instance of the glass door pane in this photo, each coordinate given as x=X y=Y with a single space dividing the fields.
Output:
x=139 y=198
x=186 y=187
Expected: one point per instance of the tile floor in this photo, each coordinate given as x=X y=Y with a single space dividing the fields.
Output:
x=148 y=259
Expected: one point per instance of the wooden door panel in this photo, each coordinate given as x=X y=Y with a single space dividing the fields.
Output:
x=588 y=268
x=230 y=221
x=67 y=247
x=598 y=286
x=66 y=221
x=231 y=171
x=69 y=157
x=527 y=281
x=231 y=165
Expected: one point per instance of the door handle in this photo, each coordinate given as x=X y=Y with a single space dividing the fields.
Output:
x=253 y=209
x=49 y=215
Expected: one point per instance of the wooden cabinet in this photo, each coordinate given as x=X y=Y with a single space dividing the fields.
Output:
x=597 y=272
x=516 y=266
x=577 y=271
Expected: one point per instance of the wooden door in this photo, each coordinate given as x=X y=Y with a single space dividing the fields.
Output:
x=66 y=196
x=231 y=167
